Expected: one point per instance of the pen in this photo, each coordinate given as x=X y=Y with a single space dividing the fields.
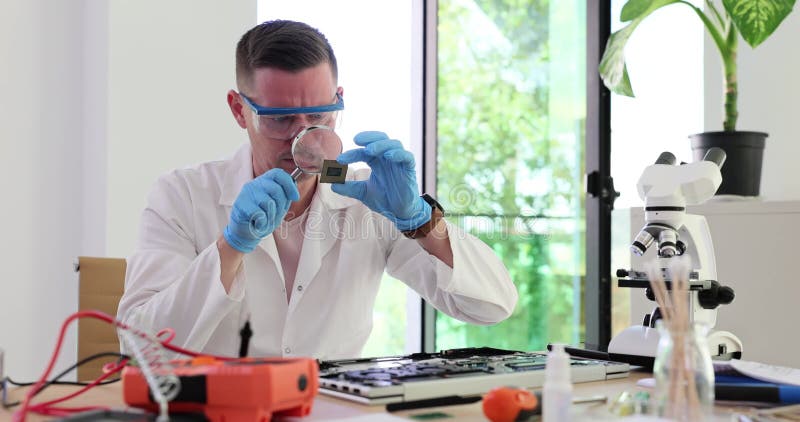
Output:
x=589 y=399
x=454 y=400
x=435 y=402
x=770 y=393
x=584 y=353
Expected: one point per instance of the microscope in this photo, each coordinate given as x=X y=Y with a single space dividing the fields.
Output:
x=669 y=232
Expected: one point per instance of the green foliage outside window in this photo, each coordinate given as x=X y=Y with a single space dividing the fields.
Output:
x=511 y=103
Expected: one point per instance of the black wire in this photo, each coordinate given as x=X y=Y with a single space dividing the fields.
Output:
x=56 y=381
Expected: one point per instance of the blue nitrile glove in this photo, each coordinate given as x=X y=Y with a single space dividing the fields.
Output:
x=391 y=189
x=259 y=209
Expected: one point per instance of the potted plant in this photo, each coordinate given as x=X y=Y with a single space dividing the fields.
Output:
x=755 y=20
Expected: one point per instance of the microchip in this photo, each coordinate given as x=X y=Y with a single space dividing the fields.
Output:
x=333 y=172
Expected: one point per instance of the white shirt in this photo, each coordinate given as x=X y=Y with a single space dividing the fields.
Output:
x=289 y=242
x=173 y=276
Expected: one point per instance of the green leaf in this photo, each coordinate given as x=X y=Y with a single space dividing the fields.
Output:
x=633 y=9
x=756 y=20
x=612 y=65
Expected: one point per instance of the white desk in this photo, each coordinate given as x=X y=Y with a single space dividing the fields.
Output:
x=327 y=408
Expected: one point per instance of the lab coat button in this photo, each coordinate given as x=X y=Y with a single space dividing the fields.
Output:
x=299 y=288
x=287 y=350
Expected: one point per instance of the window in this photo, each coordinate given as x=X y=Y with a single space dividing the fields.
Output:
x=511 y=94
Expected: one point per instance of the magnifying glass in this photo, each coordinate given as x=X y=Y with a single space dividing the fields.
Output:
x=314 y=151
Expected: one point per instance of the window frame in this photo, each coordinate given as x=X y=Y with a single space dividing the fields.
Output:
x=429 y=138
x=600 y=203
x=597 y=288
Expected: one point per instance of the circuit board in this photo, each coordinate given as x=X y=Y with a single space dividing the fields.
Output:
x=462 y=372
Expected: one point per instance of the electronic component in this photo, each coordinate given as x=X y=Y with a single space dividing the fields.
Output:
x=333 y=172
x=247 y=389
x=456 y=372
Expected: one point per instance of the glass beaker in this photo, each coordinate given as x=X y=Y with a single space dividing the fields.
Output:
x=684 y=373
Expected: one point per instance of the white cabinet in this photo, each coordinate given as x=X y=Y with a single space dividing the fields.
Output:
x=756 y=247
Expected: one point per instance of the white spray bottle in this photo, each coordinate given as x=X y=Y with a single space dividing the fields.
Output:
x=557 y=391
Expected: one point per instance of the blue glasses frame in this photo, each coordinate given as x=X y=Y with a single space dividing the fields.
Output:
x=273 y=111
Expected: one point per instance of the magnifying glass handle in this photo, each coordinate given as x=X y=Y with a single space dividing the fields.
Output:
x=296 y=173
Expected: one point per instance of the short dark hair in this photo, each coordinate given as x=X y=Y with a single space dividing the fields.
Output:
x=282 y=44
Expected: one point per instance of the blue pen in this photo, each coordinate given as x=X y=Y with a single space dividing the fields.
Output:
x=738 y=379
x=760 y=392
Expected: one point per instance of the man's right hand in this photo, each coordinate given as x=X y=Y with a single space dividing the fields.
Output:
x=259 y=209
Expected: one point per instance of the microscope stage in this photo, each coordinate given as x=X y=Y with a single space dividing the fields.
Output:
x=644 y=283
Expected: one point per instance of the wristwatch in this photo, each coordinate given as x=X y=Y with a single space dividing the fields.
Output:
x=437 y=213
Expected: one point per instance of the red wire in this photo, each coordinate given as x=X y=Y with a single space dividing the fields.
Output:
x=85 y=388
x=55 y=412
x=20 y=414
x=65 y=411
x=72 y=409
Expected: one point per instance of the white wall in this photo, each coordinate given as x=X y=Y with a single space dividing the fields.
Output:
x=170 y=65
x=666 y=77
x=41 y=127
x=769 y=89
x=97 y=98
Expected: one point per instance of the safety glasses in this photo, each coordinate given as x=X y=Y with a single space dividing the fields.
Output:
x=282 y=123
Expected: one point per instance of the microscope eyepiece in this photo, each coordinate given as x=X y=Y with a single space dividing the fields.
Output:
x=666 y=157
x=716 y=155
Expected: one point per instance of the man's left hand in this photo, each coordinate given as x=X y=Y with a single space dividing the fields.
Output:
x=391 y=189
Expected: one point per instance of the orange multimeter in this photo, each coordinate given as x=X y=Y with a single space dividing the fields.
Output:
x=246 y=389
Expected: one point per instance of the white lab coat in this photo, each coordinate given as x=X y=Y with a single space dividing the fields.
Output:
x=173 y=279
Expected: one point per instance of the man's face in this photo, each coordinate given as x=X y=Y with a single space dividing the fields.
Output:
x=271 y=87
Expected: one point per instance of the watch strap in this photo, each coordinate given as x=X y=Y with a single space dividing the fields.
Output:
x=437 y=213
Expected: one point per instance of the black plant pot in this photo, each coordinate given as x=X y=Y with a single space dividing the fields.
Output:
x=741 y=173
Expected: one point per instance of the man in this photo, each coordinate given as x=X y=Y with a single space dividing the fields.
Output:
x=238 y=240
